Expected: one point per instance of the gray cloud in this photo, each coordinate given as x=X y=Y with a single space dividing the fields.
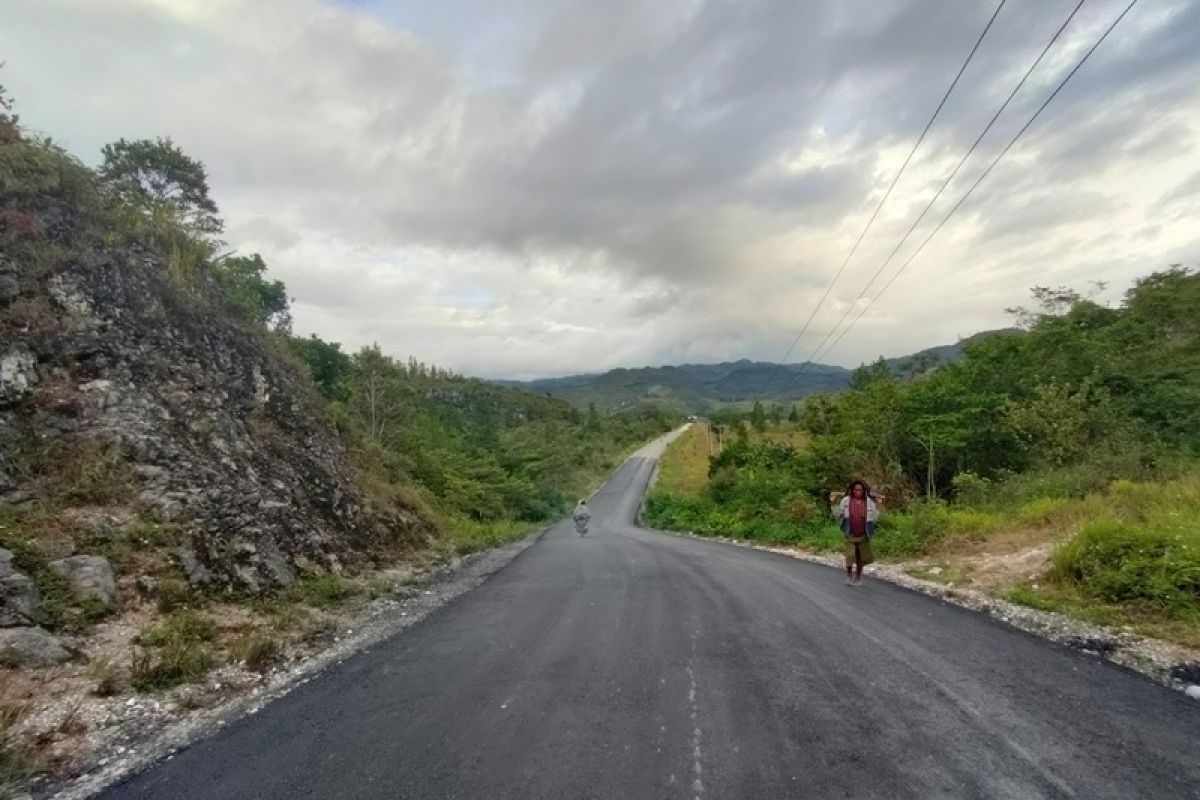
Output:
x=489 y=186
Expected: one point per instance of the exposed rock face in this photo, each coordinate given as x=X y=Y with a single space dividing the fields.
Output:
x=217 y=429
x=88 y=578
x=18 y=373
x=20 y=602
x=30 y=647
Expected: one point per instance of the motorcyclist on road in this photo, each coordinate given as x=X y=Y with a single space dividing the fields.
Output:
x=581 y=517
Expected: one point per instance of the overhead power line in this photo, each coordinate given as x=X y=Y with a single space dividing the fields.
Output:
x=945 y=183
x=885 y=197
x=987 y=171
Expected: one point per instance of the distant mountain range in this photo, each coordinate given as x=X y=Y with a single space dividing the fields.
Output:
x=695 y=388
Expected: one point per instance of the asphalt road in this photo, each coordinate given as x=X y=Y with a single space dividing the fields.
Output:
x=631 y=664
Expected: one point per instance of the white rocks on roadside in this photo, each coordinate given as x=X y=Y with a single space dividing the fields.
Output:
x=1193 y=691
x=18 y=373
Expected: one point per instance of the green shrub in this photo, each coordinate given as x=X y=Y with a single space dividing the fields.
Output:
x=469 y=536
x=255 y=650
x=970 y=489
x=16 y=764
x=702 y=515
x=93 y=610
x=323 y=591
x=174 y=594
x=1045 y=510
x=1027 y=596
x=1155 y=565
x=98 y=477
x=56 y=596
x=176 y=662
x=913 y=532
x=106 y=676
x=184 y=625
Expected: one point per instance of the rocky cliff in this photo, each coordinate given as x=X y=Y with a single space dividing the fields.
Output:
x=200 y=422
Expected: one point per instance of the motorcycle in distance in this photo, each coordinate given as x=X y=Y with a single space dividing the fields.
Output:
x=581 y=516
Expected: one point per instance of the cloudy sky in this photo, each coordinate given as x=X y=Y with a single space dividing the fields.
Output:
x=540 y=187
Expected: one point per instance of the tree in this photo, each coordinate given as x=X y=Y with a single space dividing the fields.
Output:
x=794 y=414
x=866 y=375
x=379 y=395
x=758 y=417
x=8 y=120
x=154 y=177
x=1050 y=303
x=918 y=365
x=263 y=301
x=331 y=368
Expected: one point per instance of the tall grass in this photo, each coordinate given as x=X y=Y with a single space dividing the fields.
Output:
x=702 y=515
x=684 y=467
x=1143 y=549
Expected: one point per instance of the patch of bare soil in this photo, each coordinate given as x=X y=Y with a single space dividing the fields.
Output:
x=997 y=562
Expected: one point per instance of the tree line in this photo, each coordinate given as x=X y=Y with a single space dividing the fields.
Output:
x=467 y=451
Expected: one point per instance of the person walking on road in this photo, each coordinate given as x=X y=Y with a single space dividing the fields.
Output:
x=581 y=516
x=857 y=513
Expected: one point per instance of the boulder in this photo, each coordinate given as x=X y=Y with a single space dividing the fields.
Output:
x=197 y=574
x=18 y=374
x=30 y=647
x=20 y=603
x=88 y=578
x=9 y=289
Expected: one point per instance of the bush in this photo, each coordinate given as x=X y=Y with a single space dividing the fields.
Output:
x=97 y=477
x=672 y=511
x=323 y=591
x=178 y=651
x=16 y=765
x=174 y=594
x=1026 y=596
x=183 y=625
x=912 y=533
x=106 y=674
x=1153 y=565
x=255 y=650
x=970 y=489
x=55 y=594
x=1046 y=510
x=177 y=662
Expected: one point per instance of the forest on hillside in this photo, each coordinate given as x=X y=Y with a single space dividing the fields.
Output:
x=1084 y=428
x=481 y=458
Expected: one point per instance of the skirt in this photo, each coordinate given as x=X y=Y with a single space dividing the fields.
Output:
x=858 y=548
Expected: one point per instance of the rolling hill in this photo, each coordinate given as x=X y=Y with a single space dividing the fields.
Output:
x=695 y=388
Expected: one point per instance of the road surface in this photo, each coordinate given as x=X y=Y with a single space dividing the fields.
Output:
x=632 y=664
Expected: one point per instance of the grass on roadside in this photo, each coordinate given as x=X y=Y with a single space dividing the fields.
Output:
x=684 y=466
x=1128 y=552
x=16 y=763
x=176 y=649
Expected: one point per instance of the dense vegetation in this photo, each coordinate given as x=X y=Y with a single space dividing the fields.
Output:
x=735 y=385
x=1085 y=425
x=484 y=459
x=477 y=463
x=487 y=459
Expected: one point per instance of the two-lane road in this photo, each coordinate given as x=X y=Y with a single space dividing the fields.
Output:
x=631 y=664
